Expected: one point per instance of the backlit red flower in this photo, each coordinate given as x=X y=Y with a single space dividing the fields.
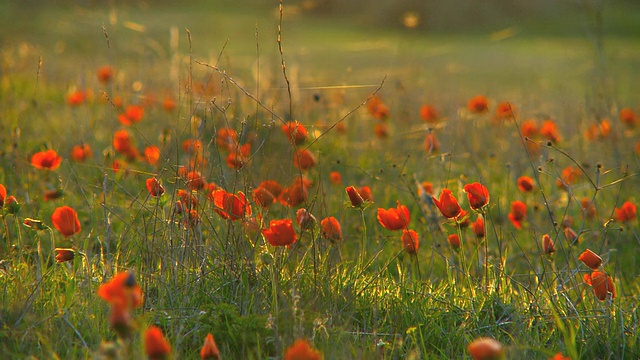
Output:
x=104 y=74
x=301 y=350
x=156 y=346
x=280 y=232
x=80 y=153
x=601 y=284
x=525 y=184
x=547 y=245
x=231 y=206
x=305 y=219
x=295 y=194
x=454 y=241
x=304 y=160
x=485 y=348
x=410 y=241
x=628 y=117
x=626 y=213
x=478 y=227
x=3 y=195
x=76 y=98
x=154 y=187
x=377 y=108
x=477 y=194
x=152 y=154
x=63 y=255
x=568 y=177
x=335 y=178
x=505 y=110
x=354 y=196
x=295 y=132
x=46 y=160
x=590 y=259
x=549 y=130
x=209 y=350
x=431 y=143
x=447 y=204
x=478 y=104
x=518 y=213
x=132 y=114
x=394 y=218
x=366 y=194
x=122 y=289
x=429 y=113
x=65 y=219
x=226 y=138
x=330 y=229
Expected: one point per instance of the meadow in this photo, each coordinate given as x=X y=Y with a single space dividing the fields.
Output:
x=296 y=184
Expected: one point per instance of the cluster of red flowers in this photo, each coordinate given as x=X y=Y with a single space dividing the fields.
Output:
x=599 y=281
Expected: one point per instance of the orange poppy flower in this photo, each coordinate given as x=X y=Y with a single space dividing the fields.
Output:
x=195 y=180
x=122 y=289
x=63 y=255
x=263 y=197
x=335 y=178
x=559 y=356
x=331 y=229
x=152 y=154
x=425 y=187
x=192 y=219
x=104 y=74
x=156 y=346
x=304 y=160
x=188 y=199
x=238 y=156
x=280 y=232
x=301 y=350
x=454 y=241
x=505 y=110
x=192 y=146
x=209 y=350
x=377 y=108
x=168 y=104
x=518 y=213
x=366 y=194
x=354 y=196
x=272 y=186
x=568 y=177
x=429 y=113
x=154 y=187
x=529 y=128
x=46 y=160
x=478 y=227
x=394 y=218
x=80 y=153
x=626 y=213
x=485 y=348
x=477 y=194
x=525 y=184
x=478 y=104
x=295 y=194
x=230 y=206
x=226 y=138
x=305 y=219
x=571 y=236
x=628 y=117
x=132 y=114
x=76 y=98
x=601 y=284
x=65 y=219
x=410 y=241
x=447 y=204
x=590 y=259
x=549 y=130
x=431 y=143
x=123 y=144
x=547 y=245
x=588 y=208
x=3 y=195
x=381 y=130
x=296 y=132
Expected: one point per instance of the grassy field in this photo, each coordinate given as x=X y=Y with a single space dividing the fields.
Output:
x=204 y=262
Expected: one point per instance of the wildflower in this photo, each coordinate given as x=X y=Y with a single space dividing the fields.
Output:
x=52 y=194
x=80 y=153
x=478 y=104
x=529 y=128
x=195 y=180
x=46 y=160
x=525 y=184
x=559 y=356
x=505 y=110
x=549 y=130
x=152 y=154
x=192 y=219
x=601 y=284
x=295 y=194
x=63 y=255
x=231 y=206
x=429 y=113
x=168 y=104
x=3 y=194
x=478 y=227
x=410 y=241
x=381 y=130
x=571 y=235
x=295 y=132
x=394 y=218
x=331 y=229
x=628 y=117
x=454 y=241
x=76 y=98
x=590 y=259
x=187 y=199
x=377 y=108
x=226 y=138
x=156 y=345
x=272 y=186
x=568 y=177
x=354 y=196
x=431 y=143
x=123 y=144
x=304 y=160
x=263 y=197
x=132 y=114
x=547 y=245
x=366 y=194
x=301 y=350
x=626 y=212
x=104 y=74
x=65 y=219
x=120 y=319
x=154 y=187
x=518 y=213
x=305 y=219
x=485 y=348
x=209 y=350
x=335 y=178
x=192 y=146
x=588 y=208
x=477 y=194
x=238 y=156
x=447 y=204
x=426 y=187
x=280 y=232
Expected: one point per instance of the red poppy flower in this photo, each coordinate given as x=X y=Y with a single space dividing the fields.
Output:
x=154 y=187
x=381 y=130
x=104 y=74
x=394 y=218
x=168 y=104
x=478 y=104
x=238 y=156
x=192 y=146
x=280 y=232
x=431 y=143
x=335 y=178
x=588 y=208
x=231 y=206
x=518 y=213
x=571 y=236
x=296 y=132
x=429 y=113
x=122 y=289
x=273 y=186
x=63 y=255
x=559 y=356
x=132 y=114
x=628 y=117
x=52 y=194
x=485 y=348
x=152 y=154
x=209 y=350
x=304 y=160
x=188 y=199
x=65 y=219
x=426 y=187
x=120 y=320
x=305 y=219
x=454 y=241
x=331 y=229
x=156 y=345
x=301 y=350
x=410 y=241
x=525 y=184
x=377 y=108
x=568 y=177
x=505 y=110
x=355 y=197
x=547 y=245
x=46 y=160
x=263 y=197
x=80 y=153
x=366 y=194
x=549 y=130
x=477 y=194
x=478 y=227
x=447 y=204
x=590 y=259
x=226 y=138
x=627 y=212
x=601 y=284
x=295 y=194
x=3 y=195
x=76 y=98
x=529 y=128
x=122 y=144
x=195 y=180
